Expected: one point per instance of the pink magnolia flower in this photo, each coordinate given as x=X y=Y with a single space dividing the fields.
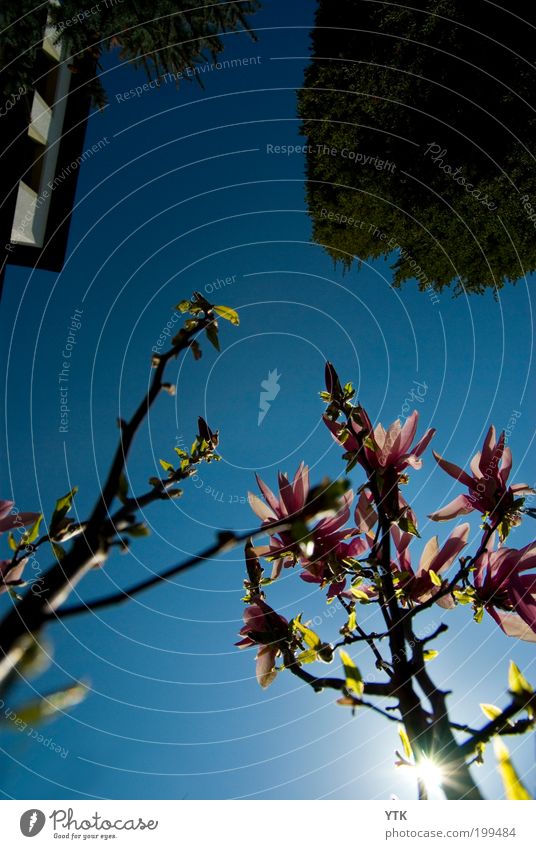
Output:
x=420 y=585
x=509 y=595
x=323 y=540
x=383 y=449
x=267 y=629
x=488 y=490
x=10 y=520
x=11 y=576
x=329 y=567
x=365 y=513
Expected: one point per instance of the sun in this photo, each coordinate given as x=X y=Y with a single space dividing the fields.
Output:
x=430 y=774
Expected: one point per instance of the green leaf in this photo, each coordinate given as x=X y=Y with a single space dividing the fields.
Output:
x=58 y=551
x=12 y=542
x=33 y=532
x=462 y=596
x=63 y=505
x=122 y=492
x=360 y=595
x=478 y=614
x=309 y=637
x=430 y=654
x=228 y=314
x=354 y=679
x=351 y=463
x=352 y=622
x=490 y=711
x=434 y=577
x=517 y=682
x=42 y=709
x=406 y=745
x=407 y=526
x=308 y=656
x=138 y=530
x=183 y=306
x=36 y=657
x=168 y=467
x=212 y=335
x=513 y=787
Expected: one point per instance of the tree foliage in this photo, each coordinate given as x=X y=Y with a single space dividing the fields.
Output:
x=163 y=37
x=419 y=126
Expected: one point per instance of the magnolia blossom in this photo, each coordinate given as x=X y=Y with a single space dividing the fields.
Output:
x=508 y=594
x=11 y=576
x=324 y=539
x=10 y=519
x=420 y=586
x=267 y=629
x=488 y=490
x=331 y=566
x=382 y=449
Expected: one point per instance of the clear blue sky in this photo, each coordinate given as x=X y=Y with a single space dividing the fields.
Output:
x=181 y=193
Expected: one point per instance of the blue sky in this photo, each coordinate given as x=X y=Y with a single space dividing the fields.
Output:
x=182 y=194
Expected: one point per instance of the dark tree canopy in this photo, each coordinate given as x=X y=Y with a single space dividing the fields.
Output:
x=165 y=36
x=428 y=122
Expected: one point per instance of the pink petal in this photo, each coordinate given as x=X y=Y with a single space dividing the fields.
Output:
x=512 y=625
x=333 y=523
x=260 y=509
x=269 y=497
x=487 y=450
x=506 y=465
x=430 y=552
x=265 y=665
x=245 y=643
x=453 y=470
x=446 y=602
x=393 y=438
x=336 y=428
x=17 y=520
x=413 y=461
x=380 y=438
x=527 y=557
x=253 y=618
x=356 y=547
x=475 y=465
x=408 y=432
x=10 y=576
x=5 y=507
x=402 y=542
x=277 y=568
x=460 y=506
x=524 y=603
x=424 y=442
x=310 y=578
x=365 y=514
x=522 y=489
x=300 y=485
x=451 y=549
x=286 y=494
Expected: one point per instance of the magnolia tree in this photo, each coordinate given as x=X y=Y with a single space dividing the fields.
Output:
x=367 y=562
